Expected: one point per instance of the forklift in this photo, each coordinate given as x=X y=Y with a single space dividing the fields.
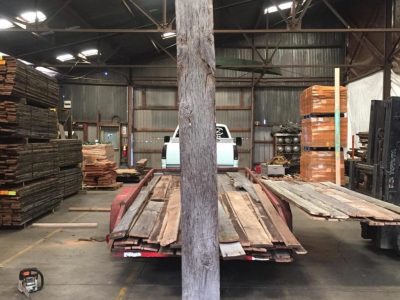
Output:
x=379 y=176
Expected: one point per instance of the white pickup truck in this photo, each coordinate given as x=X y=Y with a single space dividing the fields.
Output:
x=227 y=152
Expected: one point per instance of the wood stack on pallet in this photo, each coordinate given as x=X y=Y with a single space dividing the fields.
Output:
x=19 y=120
x=22 y=204
x=141 y=165
x=99 y=168
x=69 y=159
x=28 y=161
x=328 y=201
x=317 y=108
x=19 y=80
x=249 y=225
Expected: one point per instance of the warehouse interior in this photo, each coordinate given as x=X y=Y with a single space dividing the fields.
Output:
x=103 y=196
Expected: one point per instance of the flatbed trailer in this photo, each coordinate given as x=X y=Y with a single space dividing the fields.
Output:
x=254 y=224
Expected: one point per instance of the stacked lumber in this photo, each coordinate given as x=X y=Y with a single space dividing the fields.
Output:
x=248 y=227
x=98 y=152
x=319 y=132
x=26 y=162
x=99 y=173
x=23 y=81
x=328 y=201
x=319 y=166
x=18 y=120
x=317 y=107
x=69 y=181
x=25 y=203
x=99 y=168
x=319 y=100
x=69 y=152
x=141 y=165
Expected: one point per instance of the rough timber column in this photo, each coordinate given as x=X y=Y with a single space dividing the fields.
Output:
x=199 y=196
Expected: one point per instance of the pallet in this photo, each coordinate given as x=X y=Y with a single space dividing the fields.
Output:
x=111 y=187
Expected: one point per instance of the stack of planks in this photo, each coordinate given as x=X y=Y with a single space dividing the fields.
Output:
x=18 y=120
x=328 y=201
x=317 y=108
x=69 y=158
x=23 y=81
x=26 y=162
x=22 y=204
x=319 y=166
x=69 y=181
x=249 y=228
x=141 y=165
x=69 y=152
x=99 y=168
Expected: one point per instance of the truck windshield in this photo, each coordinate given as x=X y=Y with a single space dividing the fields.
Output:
x=221 y=133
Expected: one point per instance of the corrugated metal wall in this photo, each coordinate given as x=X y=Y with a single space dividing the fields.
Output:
x=87 y=100
x=155 y=112
x=152 y=122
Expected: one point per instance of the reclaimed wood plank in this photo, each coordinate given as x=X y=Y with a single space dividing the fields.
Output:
x=173 y=217
x=147 y=220
x=252 y=227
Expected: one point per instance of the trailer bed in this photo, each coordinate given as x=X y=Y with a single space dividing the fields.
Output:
x=250 y=227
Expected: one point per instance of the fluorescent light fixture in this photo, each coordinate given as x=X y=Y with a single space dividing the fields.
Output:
x=32 y=16
x=5 y=24
x=167 y=35
x=47 y=71
x=90 y=52
x=65 y=57
x=282 y=6
x=25 y=62
x=3 y=54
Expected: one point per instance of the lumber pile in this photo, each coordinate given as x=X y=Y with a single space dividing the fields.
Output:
x=317 y=108
x=98 y=152
x=69 y=181
x=248 y=227
x=26 y=162
x=99 y=168
x=319 y=132
x=318 y=99
x=25 y=203
x=328 y=201
x=69 y=152
x=29 y=166
x=141 y=165
x=23 y=81
x=18 y=120
x=319 y=166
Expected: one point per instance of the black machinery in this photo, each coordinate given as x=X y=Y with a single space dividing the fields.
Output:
x=379 y=176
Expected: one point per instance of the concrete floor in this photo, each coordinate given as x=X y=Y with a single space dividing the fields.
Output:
x=340 y=265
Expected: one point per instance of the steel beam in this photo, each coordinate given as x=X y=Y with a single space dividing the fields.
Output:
x=133 y=66
x=216 y=31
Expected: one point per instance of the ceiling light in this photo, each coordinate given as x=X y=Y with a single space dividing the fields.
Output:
x=65 y=57
x=25 y=62
x=3 y=54
x=47 y=71
x=5 y=24
x=32 y=16
x=90 y=52
x=283 y=6
x=167 y=35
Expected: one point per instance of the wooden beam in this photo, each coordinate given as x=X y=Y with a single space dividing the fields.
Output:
x=90 y=209
x=199 y=195
x=64 y=225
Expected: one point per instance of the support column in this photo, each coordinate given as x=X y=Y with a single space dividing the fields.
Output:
x=387 y=67
x=199 y=195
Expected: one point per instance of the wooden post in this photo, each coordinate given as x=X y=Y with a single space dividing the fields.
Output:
x=196 y=89
x=337 y=126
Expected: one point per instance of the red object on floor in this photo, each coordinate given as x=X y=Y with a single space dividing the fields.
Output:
x=257 y=169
